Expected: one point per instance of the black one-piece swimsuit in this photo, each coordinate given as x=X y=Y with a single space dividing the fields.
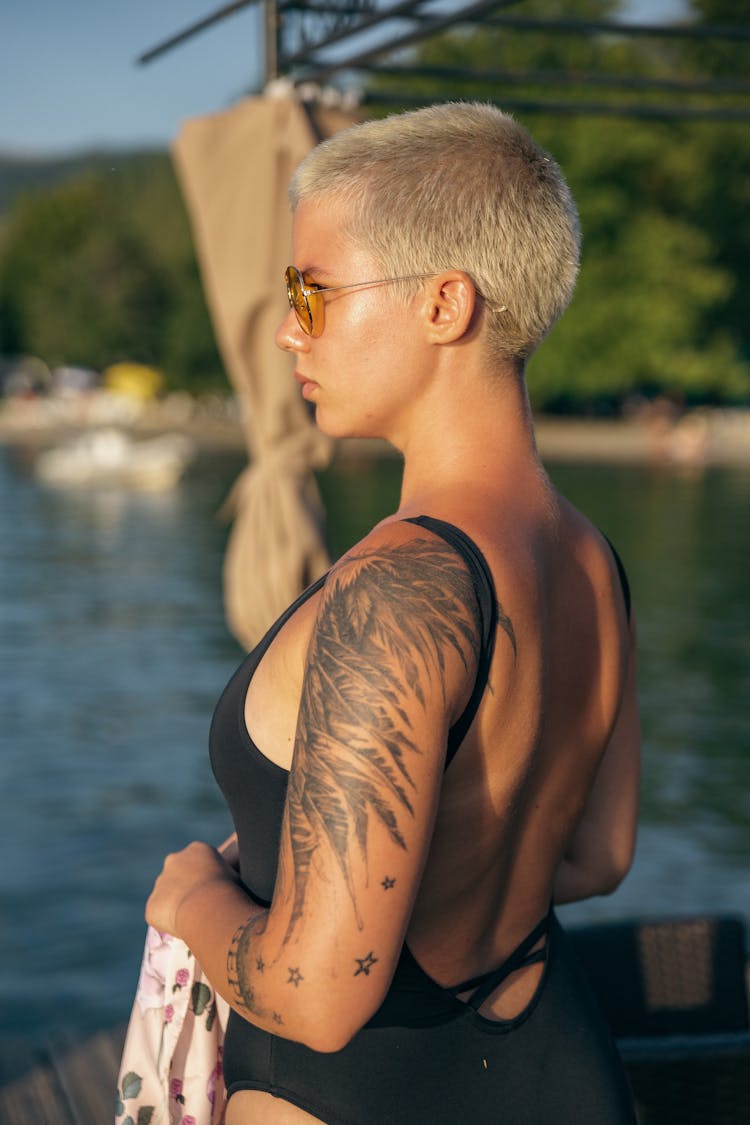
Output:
x=425 y=1057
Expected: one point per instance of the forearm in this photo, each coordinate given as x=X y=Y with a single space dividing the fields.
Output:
x=576 y=881
x=207 y=921
x=294 y=989
x=600 y=853
x=227 y=932
x=598 y=858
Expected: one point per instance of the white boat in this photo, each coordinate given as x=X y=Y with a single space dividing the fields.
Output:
x=110 y=458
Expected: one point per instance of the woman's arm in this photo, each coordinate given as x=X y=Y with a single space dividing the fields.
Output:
x=391 y=663
x=601 y=852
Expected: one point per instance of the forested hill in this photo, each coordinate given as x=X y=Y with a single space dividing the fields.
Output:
x=20 y=174
x=98 y=263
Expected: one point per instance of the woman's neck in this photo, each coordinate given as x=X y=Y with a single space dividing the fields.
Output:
x=484 y=439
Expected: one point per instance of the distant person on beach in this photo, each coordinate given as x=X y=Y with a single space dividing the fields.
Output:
x=439 y=739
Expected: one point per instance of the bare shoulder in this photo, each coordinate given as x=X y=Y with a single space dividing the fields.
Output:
x=406 y=597
x=407 y=541
x=590 y=548
x=398 y=623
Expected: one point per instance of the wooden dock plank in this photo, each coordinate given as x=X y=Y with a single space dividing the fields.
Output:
x=72 y=1083
x=87 y=1072
x=37 y=1097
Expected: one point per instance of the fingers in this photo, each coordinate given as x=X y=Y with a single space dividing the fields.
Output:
x=229 y=851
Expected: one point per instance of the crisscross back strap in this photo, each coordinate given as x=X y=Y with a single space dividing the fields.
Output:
x=521 y=956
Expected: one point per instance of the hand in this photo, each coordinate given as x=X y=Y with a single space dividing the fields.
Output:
x=230 y=851
x=183 y=874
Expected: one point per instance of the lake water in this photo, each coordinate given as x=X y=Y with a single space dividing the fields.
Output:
x=113 y=650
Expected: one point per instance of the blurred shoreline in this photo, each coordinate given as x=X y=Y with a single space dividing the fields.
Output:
x=653 y=435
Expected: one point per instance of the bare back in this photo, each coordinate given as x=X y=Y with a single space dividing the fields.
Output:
x=514 y=795
x=512 y=798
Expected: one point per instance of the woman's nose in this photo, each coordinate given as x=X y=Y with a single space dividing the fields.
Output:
x=289 y=336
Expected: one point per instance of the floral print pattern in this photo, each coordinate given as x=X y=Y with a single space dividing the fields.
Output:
x=171 y=1071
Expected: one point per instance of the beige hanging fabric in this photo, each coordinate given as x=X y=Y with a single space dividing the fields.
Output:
x=234 y=168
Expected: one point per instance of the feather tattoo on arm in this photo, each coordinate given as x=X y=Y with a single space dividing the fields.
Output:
x=388 y=620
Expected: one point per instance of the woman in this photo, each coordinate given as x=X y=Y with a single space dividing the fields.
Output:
x=441 y=736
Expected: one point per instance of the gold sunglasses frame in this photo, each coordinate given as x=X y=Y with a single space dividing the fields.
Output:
x=311 y=319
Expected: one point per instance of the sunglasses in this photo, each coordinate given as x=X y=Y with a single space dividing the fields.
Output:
x=306 y=300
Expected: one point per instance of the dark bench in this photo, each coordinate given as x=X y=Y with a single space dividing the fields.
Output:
x=675 y=992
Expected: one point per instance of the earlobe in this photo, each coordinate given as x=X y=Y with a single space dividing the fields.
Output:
x=450 y=304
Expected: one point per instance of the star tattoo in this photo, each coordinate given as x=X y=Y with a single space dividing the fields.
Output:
x=260 y=964
x=277 y=1018
x=295 y=976
x=387 y=883
x=365 y=964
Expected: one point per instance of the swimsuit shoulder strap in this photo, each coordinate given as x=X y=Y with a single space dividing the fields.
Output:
x=485 y=591
x=622 y=573
x=265 y=641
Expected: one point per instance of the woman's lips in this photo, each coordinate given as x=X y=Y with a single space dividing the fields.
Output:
x=308 y=385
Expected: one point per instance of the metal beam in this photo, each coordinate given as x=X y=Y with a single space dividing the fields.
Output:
x=600 y=27
x=581 y=109
x=270 y=40
x=405 y=10
x=318 y=8
x=563 y=78
x=193 y=29
x=322 y=70
x=702 y=32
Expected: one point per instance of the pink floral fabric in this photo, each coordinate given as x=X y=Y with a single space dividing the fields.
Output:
x=171 y=1071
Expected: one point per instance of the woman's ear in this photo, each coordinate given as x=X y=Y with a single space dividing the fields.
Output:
x=448 y=306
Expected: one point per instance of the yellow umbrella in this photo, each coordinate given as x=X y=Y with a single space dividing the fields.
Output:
x=136 y=380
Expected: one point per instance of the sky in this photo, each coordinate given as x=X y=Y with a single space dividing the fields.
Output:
x=69 y=81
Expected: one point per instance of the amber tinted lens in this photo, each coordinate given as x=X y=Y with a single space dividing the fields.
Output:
x=315 y=306
x=298 y=300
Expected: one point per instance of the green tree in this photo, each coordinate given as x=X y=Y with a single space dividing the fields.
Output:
x=664 y=205
x=78 y=287
x=650 y=314
x=188 y=352
x=102 y=268
x=719 y=200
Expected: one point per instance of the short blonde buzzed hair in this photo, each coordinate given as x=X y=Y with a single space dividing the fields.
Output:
x=459 y=185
